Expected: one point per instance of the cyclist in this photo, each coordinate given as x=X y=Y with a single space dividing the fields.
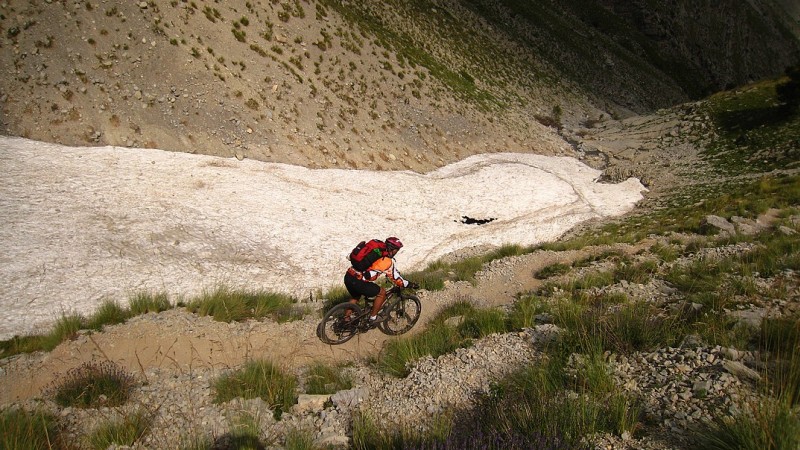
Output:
x=362 y=283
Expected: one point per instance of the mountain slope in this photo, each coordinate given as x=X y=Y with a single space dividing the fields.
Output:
x=379 y=85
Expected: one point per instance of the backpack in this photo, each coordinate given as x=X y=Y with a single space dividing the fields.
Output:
x=366 y=253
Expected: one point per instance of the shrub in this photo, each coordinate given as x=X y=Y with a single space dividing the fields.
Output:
x=92 y=385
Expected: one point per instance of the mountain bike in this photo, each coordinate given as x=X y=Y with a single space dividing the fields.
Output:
x=398 y=314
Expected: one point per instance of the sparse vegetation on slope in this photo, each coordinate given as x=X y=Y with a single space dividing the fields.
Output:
x=676 y=324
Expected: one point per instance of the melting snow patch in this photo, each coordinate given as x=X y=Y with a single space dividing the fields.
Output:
x=86 y=224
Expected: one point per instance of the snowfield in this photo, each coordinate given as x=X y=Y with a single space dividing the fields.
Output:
x=84 y=224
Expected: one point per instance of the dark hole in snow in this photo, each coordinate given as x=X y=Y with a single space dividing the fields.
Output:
x=472 y=221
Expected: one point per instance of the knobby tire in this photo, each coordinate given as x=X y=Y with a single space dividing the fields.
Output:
x=334 y=329
x=402 y=315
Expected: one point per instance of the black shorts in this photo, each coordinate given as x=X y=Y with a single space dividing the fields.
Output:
x=357 y=287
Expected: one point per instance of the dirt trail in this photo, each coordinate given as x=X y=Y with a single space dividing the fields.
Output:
x=182 y=342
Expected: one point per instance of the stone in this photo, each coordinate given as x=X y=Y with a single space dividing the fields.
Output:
x=720 y=223
x=349 y=398
x=309 y=403
x=741 y=371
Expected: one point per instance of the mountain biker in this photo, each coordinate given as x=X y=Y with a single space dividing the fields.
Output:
x=361 y=283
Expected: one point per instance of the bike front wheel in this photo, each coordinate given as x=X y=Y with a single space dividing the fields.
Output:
x=401 y=315
x=339 y=324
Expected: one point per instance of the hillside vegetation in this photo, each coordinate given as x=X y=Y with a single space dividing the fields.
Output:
x=379 y=85
x=676 y=326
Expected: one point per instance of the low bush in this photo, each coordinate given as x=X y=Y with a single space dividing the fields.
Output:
x=92 y=385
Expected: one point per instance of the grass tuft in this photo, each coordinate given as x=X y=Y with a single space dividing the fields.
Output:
x=226 y=305
x=26 y=430
x=125 y=431
x=258 y=379
x=143 y=303
x=325 y=379
x=92 y=385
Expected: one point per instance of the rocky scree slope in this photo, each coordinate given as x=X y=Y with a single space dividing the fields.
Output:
x=379 y=85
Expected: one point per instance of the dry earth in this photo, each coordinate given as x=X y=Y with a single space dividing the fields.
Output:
x=178 y=341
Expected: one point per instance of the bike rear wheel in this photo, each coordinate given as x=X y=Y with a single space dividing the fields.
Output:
x=401 y=315
x=339 y=324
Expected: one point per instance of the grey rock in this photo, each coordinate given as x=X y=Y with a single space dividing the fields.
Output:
x=741 y=371
x=349 y=398
x=308 y=403
x=720 y=223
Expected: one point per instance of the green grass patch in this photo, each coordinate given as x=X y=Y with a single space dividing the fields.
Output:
x=143 y=303
x=552 y=270
x=68 y=325
x=245 y=433
x=525 y=310
x=124 y=431
x=333 y=297
x=533 y=403
x=326 y=379
x=261 y=379
x=440 y=337
x=639 y=273
x=226 y=305
x=28 y=430
x=109 y=313
x=756 y=133
x=764 y=424
x=780 y=338
x=298 y=439
x=437 y=273
x=770 y=421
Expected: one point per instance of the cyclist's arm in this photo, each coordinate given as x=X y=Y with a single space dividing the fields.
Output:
x=387 y=267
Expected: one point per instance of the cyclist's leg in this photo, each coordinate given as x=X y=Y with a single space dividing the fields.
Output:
x=379 y=299
x=357 y=288
x=350 y=283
